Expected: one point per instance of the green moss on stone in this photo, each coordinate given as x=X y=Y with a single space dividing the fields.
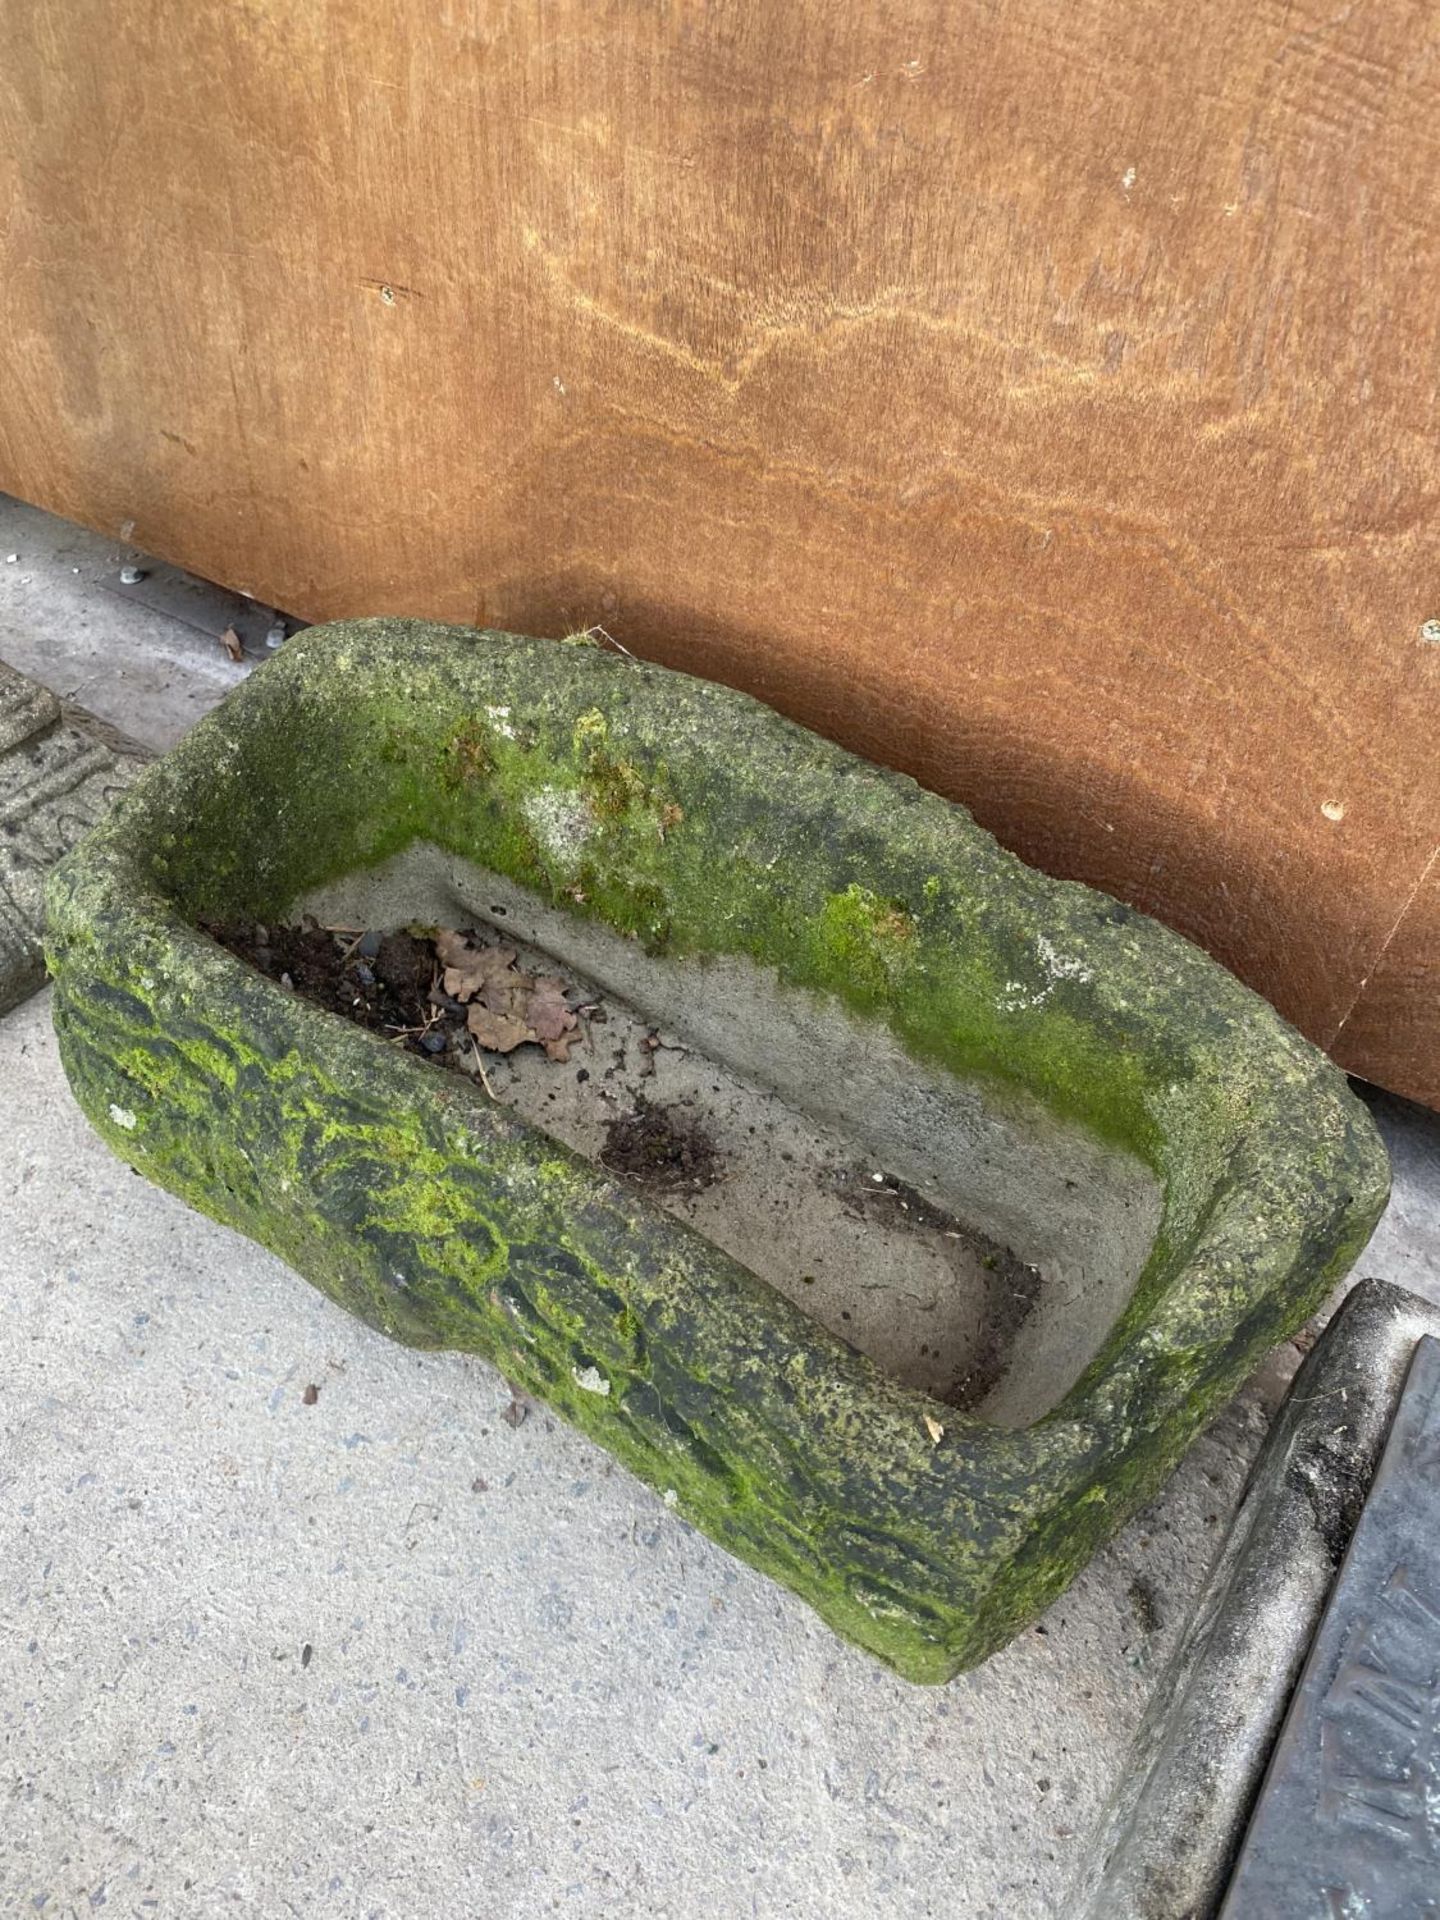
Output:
x=699 y=822
x=861 y=945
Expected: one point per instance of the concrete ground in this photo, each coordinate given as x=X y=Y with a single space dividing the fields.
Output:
x=376 y=1651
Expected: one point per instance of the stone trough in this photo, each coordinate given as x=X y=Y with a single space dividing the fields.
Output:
x=1129 y=1176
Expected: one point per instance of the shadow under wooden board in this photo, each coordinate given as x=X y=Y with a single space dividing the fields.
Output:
x=1040 y=398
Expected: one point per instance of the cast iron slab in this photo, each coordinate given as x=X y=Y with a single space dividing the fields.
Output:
x=705 y=828
x=1172 y=1833
x=1349 y=1816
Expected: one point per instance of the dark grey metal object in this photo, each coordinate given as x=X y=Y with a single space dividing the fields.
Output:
x=1169 y=1838
x=201 y=604
x=1348 y=1823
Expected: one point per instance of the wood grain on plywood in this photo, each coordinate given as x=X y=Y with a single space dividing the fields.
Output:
x=1040 y=398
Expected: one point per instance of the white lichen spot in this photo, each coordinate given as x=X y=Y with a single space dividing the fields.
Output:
x=1016 y=997
x=1128 y=178
x=1430 y=631
x=591 y=1379
x=1333 y=810
x=499 y=718
x=147 y=981
x=560 y=821
x=122 y=1116
x=558 y=384
x=1059 y=966
x=878 y=1608
x=671 y=1497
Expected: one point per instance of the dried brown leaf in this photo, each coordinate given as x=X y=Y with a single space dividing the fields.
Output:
x=497 y=1032
x=232 y=644
x=505 y=992
x=471 y=971
x=505 y=1006
x=547 y=1011
x=453 y=948
x=934 y=1429
x=458 y=982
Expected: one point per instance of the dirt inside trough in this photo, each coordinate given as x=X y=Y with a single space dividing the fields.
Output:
x=882 y=1266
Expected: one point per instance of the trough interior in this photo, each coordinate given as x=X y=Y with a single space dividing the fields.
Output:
x=972 y=1244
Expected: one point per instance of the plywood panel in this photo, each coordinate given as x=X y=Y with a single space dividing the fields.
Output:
x=1393 y=1015
x=1039 y=397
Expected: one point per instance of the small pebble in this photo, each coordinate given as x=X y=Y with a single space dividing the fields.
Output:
x=369 y=944
x=131 y=576
x=433 y=1042
x=365 y=975
x=11 y=558
x=275 y=635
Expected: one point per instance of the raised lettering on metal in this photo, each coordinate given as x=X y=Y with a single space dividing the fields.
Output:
x=1347 y=1826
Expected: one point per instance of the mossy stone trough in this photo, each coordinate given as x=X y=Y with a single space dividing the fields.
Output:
x=1189 y=1177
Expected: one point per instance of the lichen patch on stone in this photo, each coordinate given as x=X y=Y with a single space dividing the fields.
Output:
x=560 y=821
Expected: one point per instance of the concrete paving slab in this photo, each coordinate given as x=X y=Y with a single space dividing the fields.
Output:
x=530 y=1687
x=26 y=708
x=148 y=658
x=58 y=777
